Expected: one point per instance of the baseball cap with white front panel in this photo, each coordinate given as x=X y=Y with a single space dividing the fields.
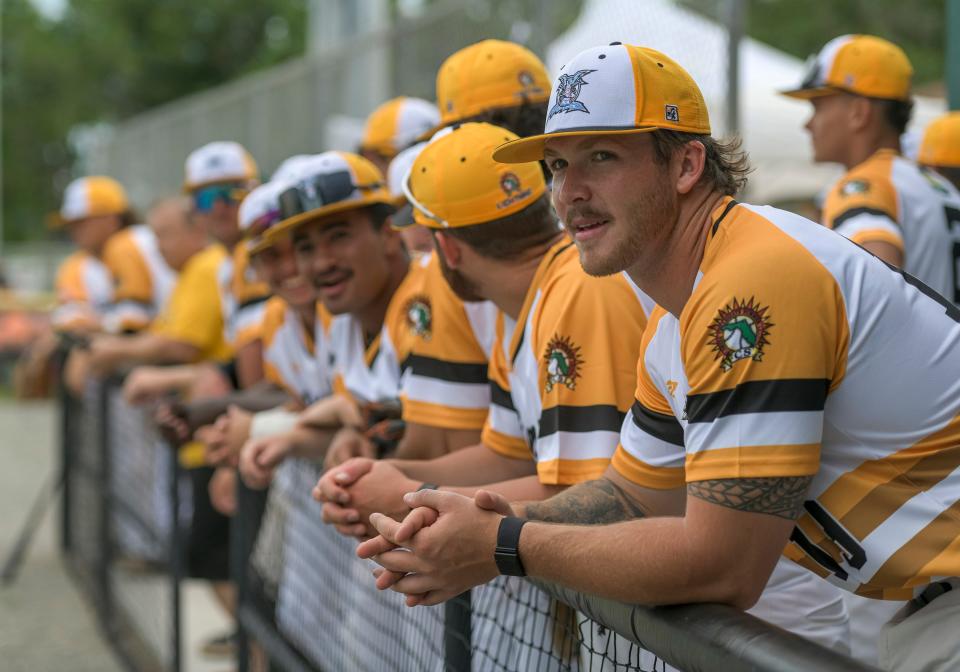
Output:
x=93 y=196
x=616 y=89
x=289 y=168
x=327 y=184
x=259 y=212
x=397 y=123
x=396 y=174
x=862 y=64
x=218 y=162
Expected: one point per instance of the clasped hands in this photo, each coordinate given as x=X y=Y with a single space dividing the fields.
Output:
x=443 y=545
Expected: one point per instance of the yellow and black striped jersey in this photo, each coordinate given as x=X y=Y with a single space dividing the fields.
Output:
x=890 y=199
x=194 y=313
x=295 y=358
x=445 y=377
x=800 y=354
x=563 y=373
x=242 y=297
x=371 y=372
x=142 y=280
x=84 y=292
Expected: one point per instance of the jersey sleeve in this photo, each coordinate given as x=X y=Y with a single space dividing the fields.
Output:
x=586 y=337
x=133 y=295
x=651 y=450
x=763 y=340
x=445 y=382
x=84 y=291
x=194 y=315
x=865 y=209
x=248 y=298
x=502 y=431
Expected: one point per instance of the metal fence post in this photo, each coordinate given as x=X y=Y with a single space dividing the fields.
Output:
x=240 y=548
x=176 y=561
x=457 y=634
x=67 y=424
x=105 y=501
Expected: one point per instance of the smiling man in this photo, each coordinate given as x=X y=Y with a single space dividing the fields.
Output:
x=764 y=422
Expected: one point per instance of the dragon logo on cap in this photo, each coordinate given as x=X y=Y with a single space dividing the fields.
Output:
x=568 y=91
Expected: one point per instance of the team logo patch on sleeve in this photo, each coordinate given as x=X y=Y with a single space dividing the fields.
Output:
x=419 y=316
x=739 y=331
x=568 y=91
x=563 y=362
x=854 y=187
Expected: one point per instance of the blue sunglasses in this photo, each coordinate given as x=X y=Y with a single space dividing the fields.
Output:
x=206 y=197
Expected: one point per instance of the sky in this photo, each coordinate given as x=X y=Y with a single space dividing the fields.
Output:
x=52 y=9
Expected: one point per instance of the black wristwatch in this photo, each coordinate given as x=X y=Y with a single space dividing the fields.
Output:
x=507 y=555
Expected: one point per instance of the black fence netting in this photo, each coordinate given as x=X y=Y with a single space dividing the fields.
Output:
x=123 y=490
x=306 y=603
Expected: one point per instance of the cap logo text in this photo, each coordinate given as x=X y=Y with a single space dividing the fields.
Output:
x=568 y=91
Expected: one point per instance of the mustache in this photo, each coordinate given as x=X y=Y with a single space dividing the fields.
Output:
x=583 y=212
x=327 y=276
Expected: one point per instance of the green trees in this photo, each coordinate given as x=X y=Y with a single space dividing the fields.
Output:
x=104 y=60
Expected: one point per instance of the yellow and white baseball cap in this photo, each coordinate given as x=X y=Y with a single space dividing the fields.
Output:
x=861 y=64
x=218 y=162
x=397 y=124
x=329 y=183
x=489 y=75
x=92 y=197
x=941 y=142
x=290 y=168
x=259 y=212
x=616 y=89
x=455 y=182
x=397 y=173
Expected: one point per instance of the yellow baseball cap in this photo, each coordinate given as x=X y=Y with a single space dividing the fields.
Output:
x=616 y=89
x=455 y=182
x=92 y=197
x=489 y=75
x=216 y=163
x=397 y=124
x=861 y=64
x=941 y=142
x=329 y=183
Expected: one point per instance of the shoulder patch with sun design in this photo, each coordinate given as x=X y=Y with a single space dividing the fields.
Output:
x=563 y=363
x=419 y=316
x=739 y=331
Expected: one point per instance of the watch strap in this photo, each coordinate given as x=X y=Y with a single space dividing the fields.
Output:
x=507 y=553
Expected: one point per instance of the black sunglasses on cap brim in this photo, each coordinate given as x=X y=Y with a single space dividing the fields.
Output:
x=320 y=191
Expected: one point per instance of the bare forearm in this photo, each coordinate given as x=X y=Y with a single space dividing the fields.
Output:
x=474 y=466
x=422 y=442
x=606 y=500
x=649 y=561
x=310 y=443
x=261 y=397
x=526 y=489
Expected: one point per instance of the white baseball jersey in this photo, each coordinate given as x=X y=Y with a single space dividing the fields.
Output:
x=890 y=199
x=799 y=354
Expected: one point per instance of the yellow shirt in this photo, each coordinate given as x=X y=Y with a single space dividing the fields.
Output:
x=194 y=313
x=141 y=278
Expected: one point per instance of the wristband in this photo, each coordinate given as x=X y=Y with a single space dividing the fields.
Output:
x=507 y=554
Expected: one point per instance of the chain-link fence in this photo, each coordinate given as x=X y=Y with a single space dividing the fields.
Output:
x=123 y=491
x=306 y=603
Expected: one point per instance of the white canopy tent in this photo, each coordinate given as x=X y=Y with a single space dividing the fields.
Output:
x=771 y=125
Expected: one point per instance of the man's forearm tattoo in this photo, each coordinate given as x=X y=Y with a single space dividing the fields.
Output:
x=599 y=502
x=781 y=497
